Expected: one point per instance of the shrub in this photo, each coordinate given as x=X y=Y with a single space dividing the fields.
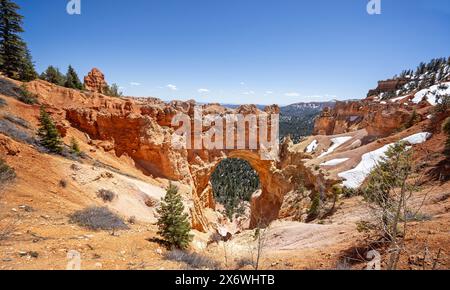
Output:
x=63 y=183
x=337 y=190
x=193 y=260
x=350 y=192
x=244 y=262
x=7 y=174
x=314 y=210
x=173 y=222
x=131 y=220
x=417 y=216
x=75 y=147
x=26 y=97
x=413 y=119
x=106 y=195
x=443 y=104
x=7 y=230
x=388 y=191
x=75 y=167
x=98 y=218
x=150 y=202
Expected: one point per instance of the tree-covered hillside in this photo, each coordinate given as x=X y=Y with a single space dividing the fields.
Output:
x=234 y=181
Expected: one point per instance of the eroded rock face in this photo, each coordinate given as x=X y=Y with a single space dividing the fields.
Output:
x=95 y=81
x=378 y=119
x=388 y=86
x=142 y=130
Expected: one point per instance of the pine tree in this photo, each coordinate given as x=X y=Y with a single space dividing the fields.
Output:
x=54 y=76
x=15 y=59
x=48 y=134
x=72 y=79
x=26 y=70
x=113 y=91
x=173 y=223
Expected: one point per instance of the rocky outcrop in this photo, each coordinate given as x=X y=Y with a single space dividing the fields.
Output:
x=378 y=119
x=95 y=81
x=386 y=86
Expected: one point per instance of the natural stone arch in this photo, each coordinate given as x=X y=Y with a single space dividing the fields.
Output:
x=265 y=206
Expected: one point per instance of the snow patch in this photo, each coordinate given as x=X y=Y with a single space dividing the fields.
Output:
x=418 y=138
x=432 y=93
x=312 y=147
x=337 y=142
x=398 y=99
x=355 y=177
x=334 y=162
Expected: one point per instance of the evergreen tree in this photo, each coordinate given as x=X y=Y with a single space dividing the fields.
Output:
x=72 y=79
x=173 y=223
x=54 y=76
x=26 y=70
x=234 y=181
x=48 y=134
x=15 y=59
x=113 y=91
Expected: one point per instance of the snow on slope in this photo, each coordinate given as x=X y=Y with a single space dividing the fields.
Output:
x=432 y=93
x=334 y=162
x=338 y=141
x=312 y=147
x=355 y=177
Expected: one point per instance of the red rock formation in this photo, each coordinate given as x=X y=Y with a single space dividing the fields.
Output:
x=141 y=129
x=388 y=86
x=95 y=81
x=378 y=119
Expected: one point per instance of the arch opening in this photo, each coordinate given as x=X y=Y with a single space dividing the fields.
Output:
x=234 y=181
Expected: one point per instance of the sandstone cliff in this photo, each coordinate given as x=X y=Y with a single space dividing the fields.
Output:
x=142 y=130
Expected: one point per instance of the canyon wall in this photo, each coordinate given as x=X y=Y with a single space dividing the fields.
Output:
x=142 y=130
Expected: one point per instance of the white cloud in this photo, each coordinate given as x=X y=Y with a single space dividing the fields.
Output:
x=242 y=84
x=135 y=84
x=172 y=87
x=292 y=94
x=203 y=91
x=248 y=93
x=268 y=93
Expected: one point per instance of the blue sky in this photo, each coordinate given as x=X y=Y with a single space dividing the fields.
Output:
x=239 y=51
